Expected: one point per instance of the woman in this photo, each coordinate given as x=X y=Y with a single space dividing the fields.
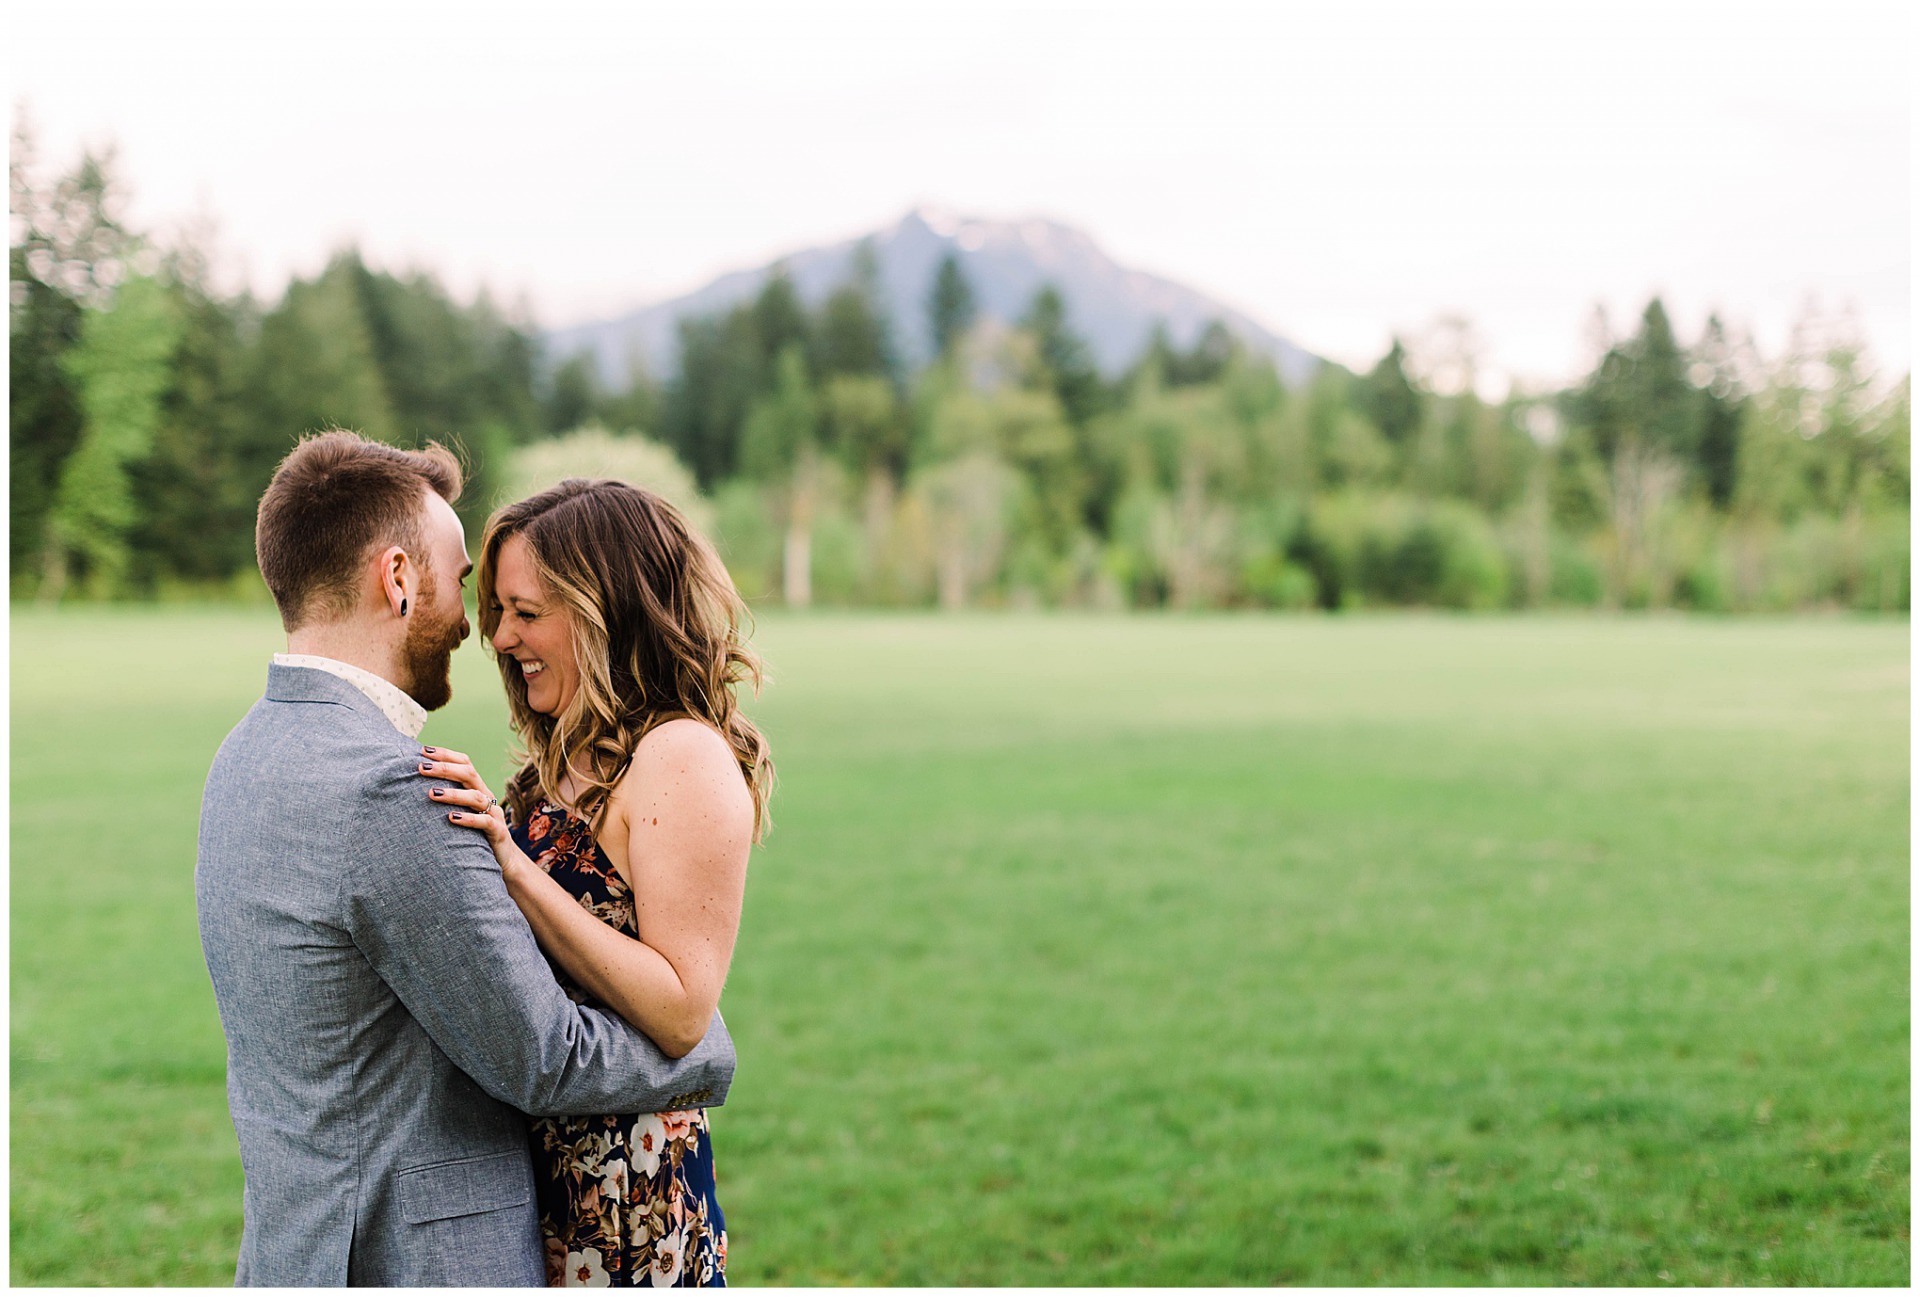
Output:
x=643 y=789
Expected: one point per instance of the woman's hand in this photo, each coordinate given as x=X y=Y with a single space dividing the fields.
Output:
x=470 y=804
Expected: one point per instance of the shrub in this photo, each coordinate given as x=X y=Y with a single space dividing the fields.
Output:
x=1573 y=577
x=1270 y=581
x=748 y=539
x=1886 y=576
x=1702 y=586
x=1473 y=571
x=592 y=451
x=838 y=558
x=1387 y=549
x=1329 y=542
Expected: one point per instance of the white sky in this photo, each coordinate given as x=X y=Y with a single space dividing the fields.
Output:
x=1338 y=170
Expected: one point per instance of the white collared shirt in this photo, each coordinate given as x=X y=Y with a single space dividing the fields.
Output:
x=408 y=716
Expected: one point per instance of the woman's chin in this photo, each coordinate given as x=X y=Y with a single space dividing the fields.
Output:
x=544 y=699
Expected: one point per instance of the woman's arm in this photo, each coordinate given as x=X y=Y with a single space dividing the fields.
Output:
x=684 y=816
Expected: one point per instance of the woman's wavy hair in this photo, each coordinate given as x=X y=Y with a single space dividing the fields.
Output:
x=656 y=633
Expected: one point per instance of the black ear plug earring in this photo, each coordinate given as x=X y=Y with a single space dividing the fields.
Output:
x=403 y=607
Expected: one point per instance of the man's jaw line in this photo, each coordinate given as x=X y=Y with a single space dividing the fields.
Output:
x=430 y=674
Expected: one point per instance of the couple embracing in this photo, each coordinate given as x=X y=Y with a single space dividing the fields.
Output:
x=471 y=1044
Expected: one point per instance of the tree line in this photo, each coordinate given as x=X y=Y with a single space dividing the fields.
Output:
x=148 y=410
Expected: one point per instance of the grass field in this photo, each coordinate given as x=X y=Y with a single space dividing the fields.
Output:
x=1158 y=951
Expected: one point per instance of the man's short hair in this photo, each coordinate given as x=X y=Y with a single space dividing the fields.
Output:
x=336 y=498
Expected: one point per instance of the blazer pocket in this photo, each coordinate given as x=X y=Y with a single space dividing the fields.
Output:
x=465 y=1187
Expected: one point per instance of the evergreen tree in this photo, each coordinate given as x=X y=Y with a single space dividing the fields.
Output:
x=1159 y=359
x=1639 y=392
x=778 y=320
x=1389 y=399
x=1065 y=366
x=1256 y=400
x=314 y=365
x=573 y=397
x=1665 y=407
x=196 y=492
x=1212 y=352
x=726 y=363
x=861 y=422
x=66 y=250
x=950 y=307
x=850 y=334
x=1207 y=360
x=505 y=364
x=635 y=408
x=120 y=369
x=1722 y=408
x=450 y=372
x=706 y=403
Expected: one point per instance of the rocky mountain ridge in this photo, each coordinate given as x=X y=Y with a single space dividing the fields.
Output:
x=1006 y=262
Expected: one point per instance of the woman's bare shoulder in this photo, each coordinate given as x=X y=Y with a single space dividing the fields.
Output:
x=683 y=736
x=683 y=759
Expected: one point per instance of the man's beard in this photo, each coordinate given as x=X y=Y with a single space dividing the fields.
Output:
x=428 y=653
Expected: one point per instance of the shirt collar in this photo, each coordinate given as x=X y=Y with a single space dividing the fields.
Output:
x=408 y=716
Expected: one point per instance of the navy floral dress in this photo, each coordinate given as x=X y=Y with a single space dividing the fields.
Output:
x=625 y=1201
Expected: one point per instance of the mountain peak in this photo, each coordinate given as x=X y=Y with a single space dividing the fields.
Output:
x=939 y=221
x=1005 y=262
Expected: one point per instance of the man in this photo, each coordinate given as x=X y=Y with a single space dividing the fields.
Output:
x=388 y=1016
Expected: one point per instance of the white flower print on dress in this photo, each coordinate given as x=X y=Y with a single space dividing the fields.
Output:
x=649 y=1144
x=669 y=1257
x=584 y=1269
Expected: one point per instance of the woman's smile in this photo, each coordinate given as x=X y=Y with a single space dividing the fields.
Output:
x=534 y=630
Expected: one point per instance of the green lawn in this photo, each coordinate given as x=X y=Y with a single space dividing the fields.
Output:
x=1093 y=951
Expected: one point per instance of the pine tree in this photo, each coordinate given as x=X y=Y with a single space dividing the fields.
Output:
x=1065 y=365
x=67 y=249
x=573 y=395
x=950 y=307
x=1388 y=397
x=121 y=369
x=1722 y=407
x=196 y=491
x=314 y=364
x=778 y=320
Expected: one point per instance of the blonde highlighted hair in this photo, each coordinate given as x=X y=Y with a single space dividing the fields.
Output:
x=656 y=629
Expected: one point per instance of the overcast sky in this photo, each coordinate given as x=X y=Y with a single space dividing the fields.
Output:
x=1340 y=171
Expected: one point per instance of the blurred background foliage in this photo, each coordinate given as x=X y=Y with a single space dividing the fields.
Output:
x=148 y=411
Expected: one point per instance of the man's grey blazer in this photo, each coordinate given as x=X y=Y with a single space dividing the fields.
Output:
x=389 y=1018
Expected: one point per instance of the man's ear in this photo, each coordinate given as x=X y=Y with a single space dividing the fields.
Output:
x=398 y=581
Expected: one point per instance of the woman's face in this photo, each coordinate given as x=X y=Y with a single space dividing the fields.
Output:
x=534 y=630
